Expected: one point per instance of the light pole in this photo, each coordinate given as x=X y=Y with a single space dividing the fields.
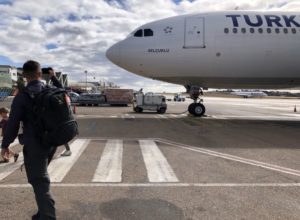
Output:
x=86 y=72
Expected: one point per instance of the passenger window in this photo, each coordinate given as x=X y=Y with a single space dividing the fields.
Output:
x=243 y=30
x=269 y=30
x=148 y=33
x=277 y=30
x=139 y=33
x=294 y=31
x=252 y=30
x=260 y=30
x=235 y=30
x=285 y=30
x=226 y=30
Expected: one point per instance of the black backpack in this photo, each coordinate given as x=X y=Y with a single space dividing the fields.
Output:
x=52 y=116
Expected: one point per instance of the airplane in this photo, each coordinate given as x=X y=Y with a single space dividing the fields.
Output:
x=249 y=94
x=229 y=49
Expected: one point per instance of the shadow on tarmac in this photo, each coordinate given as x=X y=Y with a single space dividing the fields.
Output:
x=124 y=209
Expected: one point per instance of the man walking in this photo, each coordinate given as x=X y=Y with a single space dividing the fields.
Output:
x=36 y=157
x=57 y=84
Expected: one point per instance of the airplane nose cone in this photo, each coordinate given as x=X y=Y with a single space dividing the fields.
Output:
x=113 y=54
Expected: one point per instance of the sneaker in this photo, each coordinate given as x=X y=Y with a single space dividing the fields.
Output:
x=66 y=153
x=16 y=156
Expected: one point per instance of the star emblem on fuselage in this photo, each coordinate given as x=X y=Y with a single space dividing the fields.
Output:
x=168 y=30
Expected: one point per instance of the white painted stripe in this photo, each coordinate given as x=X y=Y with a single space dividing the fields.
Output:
x=96 y=116
x=224 y=185
x=278 y=108
x=11 y=167
x=236 y=158
x=110 y=165
x=158 y=168
x=16 y=142
x=59 y=167
x=266 y=118
x=162 y=116
x=292 y=115
x=128 y=116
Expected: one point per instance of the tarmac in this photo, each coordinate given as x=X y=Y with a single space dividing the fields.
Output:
x=240 y=161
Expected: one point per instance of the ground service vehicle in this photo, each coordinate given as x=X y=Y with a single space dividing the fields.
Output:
x=91 y=99
x=179 y=98
x=118 y=97
x=150 y=102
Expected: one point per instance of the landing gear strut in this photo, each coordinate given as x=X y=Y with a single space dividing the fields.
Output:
x=197 y=108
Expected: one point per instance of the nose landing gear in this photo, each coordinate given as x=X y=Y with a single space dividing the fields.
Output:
x=197 y=108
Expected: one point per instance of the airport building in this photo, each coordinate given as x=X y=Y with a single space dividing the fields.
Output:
x=8 y=79
x=62 y=78
x=8 y=76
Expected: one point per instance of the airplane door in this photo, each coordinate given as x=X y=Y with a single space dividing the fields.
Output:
x=194 y=33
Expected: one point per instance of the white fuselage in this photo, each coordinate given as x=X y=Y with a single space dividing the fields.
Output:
x=237 y=49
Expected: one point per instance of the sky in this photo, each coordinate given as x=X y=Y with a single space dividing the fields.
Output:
x=73 y=35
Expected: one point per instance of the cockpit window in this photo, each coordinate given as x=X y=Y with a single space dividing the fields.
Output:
x=139 y=33
x=148 y=33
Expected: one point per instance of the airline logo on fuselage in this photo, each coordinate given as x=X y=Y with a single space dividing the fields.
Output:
x=269 y=20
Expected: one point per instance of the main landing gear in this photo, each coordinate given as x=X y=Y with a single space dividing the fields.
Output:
x=197 y=108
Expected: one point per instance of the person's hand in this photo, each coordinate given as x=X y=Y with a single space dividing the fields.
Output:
x=51 y=73
x=5 y=153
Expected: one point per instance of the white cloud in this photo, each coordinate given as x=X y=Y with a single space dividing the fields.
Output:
x=82 y=30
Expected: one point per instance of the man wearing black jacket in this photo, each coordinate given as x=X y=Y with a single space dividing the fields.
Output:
x=36 y=157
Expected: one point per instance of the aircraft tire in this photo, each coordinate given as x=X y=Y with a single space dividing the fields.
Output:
x=162 y=111
x=191 y=108
x=138 y=110
x=198 y=109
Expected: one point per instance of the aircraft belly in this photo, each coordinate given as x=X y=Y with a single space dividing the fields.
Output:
x=235 y=82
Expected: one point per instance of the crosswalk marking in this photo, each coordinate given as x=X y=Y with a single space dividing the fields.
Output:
x=110 y=165
x=16 y=142
x=109 y=169
x=9 y=168
x=156 y=164
x=136 y=116
x=159 y=185
x=59 y=168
